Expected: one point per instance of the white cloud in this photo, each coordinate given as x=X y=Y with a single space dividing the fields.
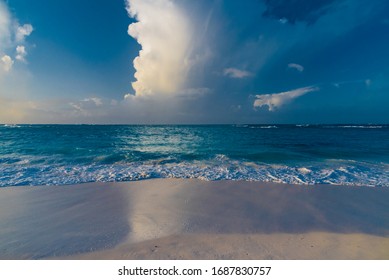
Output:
x=97 y=101
x=236 y=73
x=277 y=100
x=129 y=96
x=164 y=33
x=87 y=106
x=296 y=66
x=11 y=33
x=78 y=108
x=6 y=63
x=21 y=53
x=23 y=31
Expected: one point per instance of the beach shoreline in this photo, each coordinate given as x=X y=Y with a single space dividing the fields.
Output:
x=194 y=219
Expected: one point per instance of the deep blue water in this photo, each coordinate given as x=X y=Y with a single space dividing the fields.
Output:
x=299 y=154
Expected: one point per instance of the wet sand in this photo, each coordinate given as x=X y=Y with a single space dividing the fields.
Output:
x=193 y=219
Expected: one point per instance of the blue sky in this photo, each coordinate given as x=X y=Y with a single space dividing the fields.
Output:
x=214 y=61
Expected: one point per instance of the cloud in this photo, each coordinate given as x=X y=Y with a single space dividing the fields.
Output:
x=164 y=33
x=23 y=31
x=87 y=106
x=276 y=100
x=11 y=35
x=97 y=101
x=236 y=73
x=21 y=53
x=90 y=107
x=6 y=63
x=78 y=108
x=296 y=66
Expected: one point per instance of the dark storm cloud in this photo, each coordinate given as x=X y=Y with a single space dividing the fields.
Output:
x=298 y=10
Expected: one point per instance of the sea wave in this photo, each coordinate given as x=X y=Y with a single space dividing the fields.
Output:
x=340 y=173
x=355 y=126
x=11 y=125
x=54 y=154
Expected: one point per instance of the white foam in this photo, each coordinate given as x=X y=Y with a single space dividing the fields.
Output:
x=220 y=168
x=304 y=170
x=355 y=126
x=264 y=127
x=12 y=125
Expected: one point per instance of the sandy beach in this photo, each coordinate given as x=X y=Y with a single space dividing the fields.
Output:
x=194 y=219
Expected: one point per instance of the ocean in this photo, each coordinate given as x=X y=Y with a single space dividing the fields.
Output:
x=35 y=155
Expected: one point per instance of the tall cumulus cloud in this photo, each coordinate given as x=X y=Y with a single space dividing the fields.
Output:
x=164 y=33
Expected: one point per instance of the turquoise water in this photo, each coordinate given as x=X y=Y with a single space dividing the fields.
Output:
x=299 y=154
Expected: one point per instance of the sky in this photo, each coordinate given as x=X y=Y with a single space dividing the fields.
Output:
x=194 y=62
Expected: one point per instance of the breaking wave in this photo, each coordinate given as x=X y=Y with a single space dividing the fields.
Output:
x=221 y=168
